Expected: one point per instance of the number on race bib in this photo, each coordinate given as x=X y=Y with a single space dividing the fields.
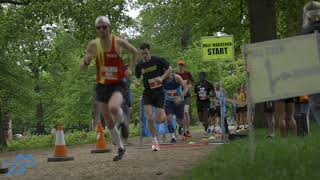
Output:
x=172 y=93
x=154 y=84
x=110 y=72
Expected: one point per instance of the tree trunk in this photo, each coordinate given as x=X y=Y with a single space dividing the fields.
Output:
x=40 y=128
x=40 y=119
x=185 y=38
x=262 y=16
x=10 y=136
x=6 y=124
x=3 y=141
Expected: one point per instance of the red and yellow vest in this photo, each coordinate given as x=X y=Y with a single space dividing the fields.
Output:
x=110 y=66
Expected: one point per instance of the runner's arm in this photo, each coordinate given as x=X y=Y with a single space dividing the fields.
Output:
x=165 y=65
x=133 y=51
x=183 y=84
x=137 y=80
x=89 y=54
x=166 y=73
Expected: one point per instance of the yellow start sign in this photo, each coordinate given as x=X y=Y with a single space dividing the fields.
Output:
x=217 y=48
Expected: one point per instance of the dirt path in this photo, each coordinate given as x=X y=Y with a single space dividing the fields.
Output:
x=139 y=163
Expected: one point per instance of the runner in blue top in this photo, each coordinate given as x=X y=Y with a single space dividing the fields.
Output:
x=175 y=89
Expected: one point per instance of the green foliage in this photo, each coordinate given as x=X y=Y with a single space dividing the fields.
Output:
x=80 y=137
x=31 y=142
x=47 y=141
x=41 y=44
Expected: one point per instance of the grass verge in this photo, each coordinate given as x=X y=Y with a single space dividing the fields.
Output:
x=286 y=159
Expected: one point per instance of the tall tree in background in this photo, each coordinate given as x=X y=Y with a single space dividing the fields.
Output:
x=262 y=16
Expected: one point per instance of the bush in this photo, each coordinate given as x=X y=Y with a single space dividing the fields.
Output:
x=42 y=141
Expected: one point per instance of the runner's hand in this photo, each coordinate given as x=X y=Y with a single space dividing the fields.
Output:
x=177 y=100
x=158 y=80
x=137 y=82
x=128 y=73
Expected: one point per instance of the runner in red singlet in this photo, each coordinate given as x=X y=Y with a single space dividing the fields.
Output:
x=107 y=50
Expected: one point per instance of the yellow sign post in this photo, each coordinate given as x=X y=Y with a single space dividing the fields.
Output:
x=217 y=48
x=284 y=68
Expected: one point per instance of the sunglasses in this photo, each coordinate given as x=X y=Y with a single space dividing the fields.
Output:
x=103 y=27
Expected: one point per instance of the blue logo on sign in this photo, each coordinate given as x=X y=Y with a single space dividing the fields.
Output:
x=18 y=166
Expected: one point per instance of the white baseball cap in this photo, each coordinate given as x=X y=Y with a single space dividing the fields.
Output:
x=102 y=19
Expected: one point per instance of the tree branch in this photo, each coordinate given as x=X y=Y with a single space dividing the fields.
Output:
x=16 y=2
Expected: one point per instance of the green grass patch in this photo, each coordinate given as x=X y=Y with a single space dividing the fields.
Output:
x=286 y=159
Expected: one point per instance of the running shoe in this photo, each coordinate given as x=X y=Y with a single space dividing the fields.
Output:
x=155 y=147
x=120 y=154
x=173 y=141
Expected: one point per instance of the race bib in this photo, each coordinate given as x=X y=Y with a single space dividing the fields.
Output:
x=172 y=93
x=202 y=94
x=111 y=72
x=154 y=84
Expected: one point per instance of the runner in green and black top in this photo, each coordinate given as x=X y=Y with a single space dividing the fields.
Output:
x=203 y=89
x=154 y=70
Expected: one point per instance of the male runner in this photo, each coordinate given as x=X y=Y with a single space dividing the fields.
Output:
x=174 y=98
x=154 y=70
x=187 y=77
x=203 y=89
x=107 y=50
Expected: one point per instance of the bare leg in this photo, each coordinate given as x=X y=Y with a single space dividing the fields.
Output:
x=280 y=117
x=271 y=124
x=186 y=118
x=148 y=110
x=290 y=117
x=161 y=115
x=114 y=106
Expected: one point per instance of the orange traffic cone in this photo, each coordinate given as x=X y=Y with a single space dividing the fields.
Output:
x=60 y=150
x=3 y=170
x=101 y=145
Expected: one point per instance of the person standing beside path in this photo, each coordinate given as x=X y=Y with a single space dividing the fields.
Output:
x=107 y=50
x=153 y=70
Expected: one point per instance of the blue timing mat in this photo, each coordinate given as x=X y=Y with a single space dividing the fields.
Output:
x=161 y=128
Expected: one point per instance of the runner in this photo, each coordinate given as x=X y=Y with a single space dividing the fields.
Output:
x=174 y=98
x=204 y=89
x=154 y=70
x=123 y=126
x=242 y=107
x=187 y=77
x=107 y=49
